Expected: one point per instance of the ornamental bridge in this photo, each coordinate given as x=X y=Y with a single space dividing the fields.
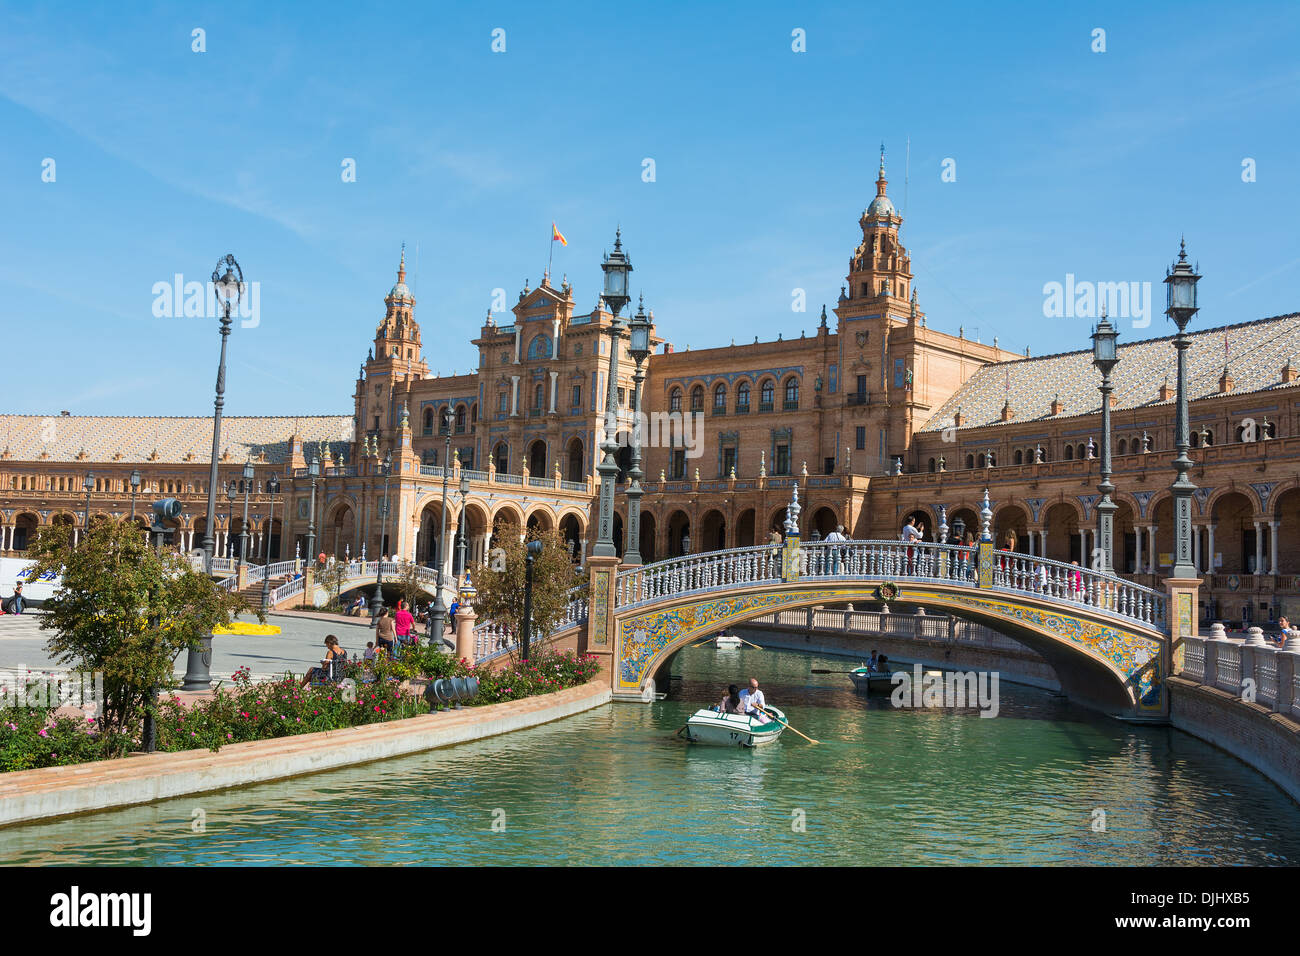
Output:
x=1107 y=639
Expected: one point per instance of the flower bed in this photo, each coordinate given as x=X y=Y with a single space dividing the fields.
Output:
x=34 y=737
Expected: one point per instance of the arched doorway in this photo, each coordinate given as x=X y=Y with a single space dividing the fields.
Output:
x=921 y=517
x=429 y=544
x=271 y=531
x=1011 y=524
x=745 y=529
x=679 y=532
x=25 y=526
x=649 y=530
x=713 y=532
x=1234 y=533
x=962 y=522
x=540 y=520
x=577 y=471
x=342 y=531
x=1062 y=524
x=537 y=459
x=823 y=522
x=571 y=531
x=472 y=526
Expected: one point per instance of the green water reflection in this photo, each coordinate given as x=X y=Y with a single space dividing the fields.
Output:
x=615 y=786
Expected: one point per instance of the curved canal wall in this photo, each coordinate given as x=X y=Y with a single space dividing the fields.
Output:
x=29 y=795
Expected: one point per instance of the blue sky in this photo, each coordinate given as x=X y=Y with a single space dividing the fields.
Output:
x=1067 y=161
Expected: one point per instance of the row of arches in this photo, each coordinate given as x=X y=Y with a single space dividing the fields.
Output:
x=540 y=461
x=18 y=535
x=767 y=392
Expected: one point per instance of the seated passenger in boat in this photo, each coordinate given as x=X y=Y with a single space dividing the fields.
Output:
x=882 y=665
x=752 y=699
x=731 y=702
x=871 y=664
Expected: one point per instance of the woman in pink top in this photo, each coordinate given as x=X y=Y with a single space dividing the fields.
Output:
x=402 y=622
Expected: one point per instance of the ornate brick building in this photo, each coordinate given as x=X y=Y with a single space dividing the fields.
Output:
x=874 y=415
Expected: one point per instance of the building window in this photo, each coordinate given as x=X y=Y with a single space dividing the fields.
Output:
x=697 y=398
x=622 y=399
x=742 y=397
x=782 y=460
x=539 y=396
x=766 y=392
x=860 y=437
x=932 y=464
x=728 y=462
x=970 y=461
x=428 y=422
x=675 y=400
x=503 y=403
x=1069 y=453
x=828 y=465
x=720 y=400
x=460 y=420
x=1020 y=456
x=577 y=397
x=678 y=469
x=791 y=394
x=898 y=373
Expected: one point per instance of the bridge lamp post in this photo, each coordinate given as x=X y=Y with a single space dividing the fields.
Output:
x=272 y=489
x=439 y=613
x=639 y=348
x=229 y=286
x=616 y=267
x=1181 y=282
x=313 y=472
x=460 y=525
x=89 y=484
x=1105 y=356
x=135 y=489
x=243 y=528
x=534 y=549
x=377 y=606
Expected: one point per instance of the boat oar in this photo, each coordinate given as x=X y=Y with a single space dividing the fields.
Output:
x=822 y=670
x=786 y=725
x=750 y=643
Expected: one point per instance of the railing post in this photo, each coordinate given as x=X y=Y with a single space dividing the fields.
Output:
x=465 y=618
x=1183 y=594
x=1218 y=638
x=1286 y=670
x=600 y=635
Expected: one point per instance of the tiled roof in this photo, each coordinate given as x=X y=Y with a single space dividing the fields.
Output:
x=1256 y=353
x=103 y=438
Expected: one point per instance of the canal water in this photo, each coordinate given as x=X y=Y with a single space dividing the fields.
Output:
x=883 y=786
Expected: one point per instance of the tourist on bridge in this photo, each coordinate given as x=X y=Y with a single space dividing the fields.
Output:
x=911 y=533
x=752 y=700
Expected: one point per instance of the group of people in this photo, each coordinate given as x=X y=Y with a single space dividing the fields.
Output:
x=749 y=702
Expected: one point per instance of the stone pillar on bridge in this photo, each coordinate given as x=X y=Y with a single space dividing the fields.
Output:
x=1182 y=617
x=600 y=639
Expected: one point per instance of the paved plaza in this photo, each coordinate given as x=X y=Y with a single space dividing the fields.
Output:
x=300 y=644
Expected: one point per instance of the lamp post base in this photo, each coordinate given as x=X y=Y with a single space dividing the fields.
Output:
x=197 y=664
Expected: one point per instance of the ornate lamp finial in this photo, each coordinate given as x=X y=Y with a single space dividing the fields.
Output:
x=986 y=517
x=792 y=511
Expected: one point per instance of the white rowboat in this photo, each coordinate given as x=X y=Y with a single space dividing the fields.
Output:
x=734 y=730
x=727 y=640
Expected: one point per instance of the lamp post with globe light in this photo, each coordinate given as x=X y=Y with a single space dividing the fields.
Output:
x=1181 y=306
x=616 y=267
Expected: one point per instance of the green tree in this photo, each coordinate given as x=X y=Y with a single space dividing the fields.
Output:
x=331 y=578
x=500 y=584
x=126 y=611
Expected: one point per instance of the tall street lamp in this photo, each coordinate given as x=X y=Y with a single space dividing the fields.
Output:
x=1105 y=356
x=439 y=613
x=272 y=489
x=534 y=549
x=460 y=525
x=89 y=485
x=232 y=492
x=616 y=267
x=377 y=606
x=135 y=488
x=1181 y=282
x=229 y=286
x=639 y=348
x=313 y=472
x=243 y=528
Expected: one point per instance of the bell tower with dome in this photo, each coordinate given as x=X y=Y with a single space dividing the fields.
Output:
x=396 y=359
x=880 y=269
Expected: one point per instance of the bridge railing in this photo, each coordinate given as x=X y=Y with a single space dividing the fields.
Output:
x=287 y=590
x=893 y=561
x=1241 y=667
x=492 y=640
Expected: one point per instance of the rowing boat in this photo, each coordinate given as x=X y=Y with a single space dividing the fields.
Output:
x=727 y=641
x=864 y=678
x=734 y=730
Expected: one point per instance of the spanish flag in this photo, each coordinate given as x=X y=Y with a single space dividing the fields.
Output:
x=557 y=235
